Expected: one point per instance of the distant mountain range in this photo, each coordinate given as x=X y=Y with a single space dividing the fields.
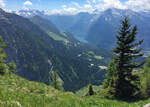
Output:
x=105 y=28
x=37 y=46
x=99 y=28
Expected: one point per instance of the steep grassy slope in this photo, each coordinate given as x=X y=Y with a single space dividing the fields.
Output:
x=18 y=92
x=26 y=46
x=15 y=91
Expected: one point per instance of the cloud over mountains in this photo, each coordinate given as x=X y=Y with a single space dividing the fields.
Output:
x=27 y=3
x=2 y=4
x=101 y=5
x=76 y=6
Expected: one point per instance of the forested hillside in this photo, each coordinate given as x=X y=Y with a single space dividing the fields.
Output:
x=37 y=47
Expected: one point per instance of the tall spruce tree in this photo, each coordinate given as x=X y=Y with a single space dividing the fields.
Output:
x=56 y=83
x=125 y=53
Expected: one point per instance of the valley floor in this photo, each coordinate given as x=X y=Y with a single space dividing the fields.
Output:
x=18 y=92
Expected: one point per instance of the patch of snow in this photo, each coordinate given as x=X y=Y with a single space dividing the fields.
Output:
x=79 y=55
x=92 y=64
x=103 y=67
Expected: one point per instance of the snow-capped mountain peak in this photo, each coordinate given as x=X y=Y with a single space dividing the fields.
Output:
x=29 y=13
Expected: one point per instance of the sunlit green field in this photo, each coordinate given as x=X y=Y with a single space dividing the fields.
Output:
x=57 y=37
x=18 y=92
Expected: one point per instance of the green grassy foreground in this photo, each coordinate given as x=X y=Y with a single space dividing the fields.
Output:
x=18 y=92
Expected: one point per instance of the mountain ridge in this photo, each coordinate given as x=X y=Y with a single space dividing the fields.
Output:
x=90 y=28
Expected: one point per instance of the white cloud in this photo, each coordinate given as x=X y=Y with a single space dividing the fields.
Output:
x=105 y=4
x=88 y=1
x=65 y=10
x=2 y=4
x=138 y=5
x=101 y=5
x=70 y=10
x=88 y=8
x=27 y=3
x=94 y=1
x=64 y=6
x=76 y=4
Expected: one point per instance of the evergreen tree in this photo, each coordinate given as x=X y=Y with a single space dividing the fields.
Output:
x=147 y=64
x=56 y=83
x=146 y=78
x=12 y=66
x=111 y=81
x=91 y=92
x=3 y=65
x=125 y=53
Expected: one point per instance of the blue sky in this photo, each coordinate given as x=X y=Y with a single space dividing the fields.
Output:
x=74 y=6
x=38 y=4
x=42 y=4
